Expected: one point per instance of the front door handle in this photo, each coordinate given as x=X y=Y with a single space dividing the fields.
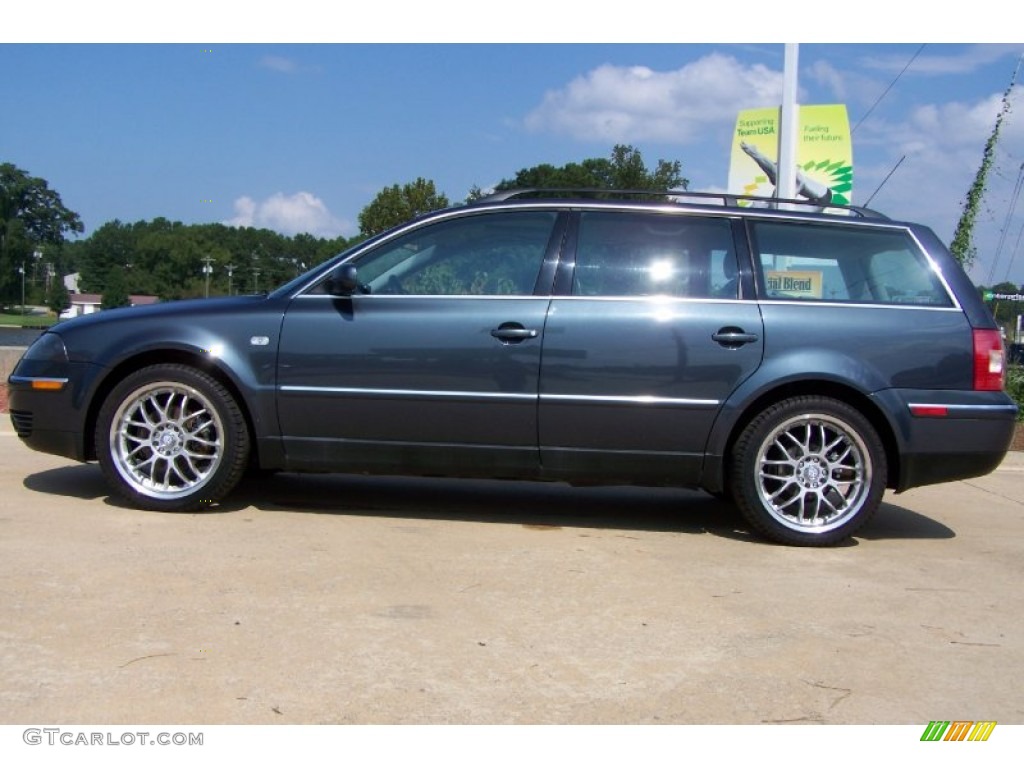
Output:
x=733 y=337
x=513 y=333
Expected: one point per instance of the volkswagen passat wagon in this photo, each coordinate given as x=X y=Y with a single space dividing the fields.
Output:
x=796 y=361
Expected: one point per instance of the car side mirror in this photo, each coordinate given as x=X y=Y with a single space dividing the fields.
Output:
x=345 y=282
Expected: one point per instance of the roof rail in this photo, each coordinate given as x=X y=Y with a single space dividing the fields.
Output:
x=679 y=196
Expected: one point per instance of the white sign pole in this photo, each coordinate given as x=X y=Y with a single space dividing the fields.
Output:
x=789 y=125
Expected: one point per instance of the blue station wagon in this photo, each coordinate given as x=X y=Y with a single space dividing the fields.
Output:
x=797 y=361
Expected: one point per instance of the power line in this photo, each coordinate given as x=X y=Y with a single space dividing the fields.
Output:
x=1015 y=196
x=888 y=175
x=886 y=91
x=1010 y=209
x=1013 y=255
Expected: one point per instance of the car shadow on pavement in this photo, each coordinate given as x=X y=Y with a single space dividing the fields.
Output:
x=78 y=481
x=893 y=522
x=539 y=505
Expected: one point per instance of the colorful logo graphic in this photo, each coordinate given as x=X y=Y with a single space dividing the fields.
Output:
x=958 y=730
x=824 y=154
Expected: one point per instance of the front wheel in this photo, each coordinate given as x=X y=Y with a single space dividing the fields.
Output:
x=171 y=438
x=808 y=471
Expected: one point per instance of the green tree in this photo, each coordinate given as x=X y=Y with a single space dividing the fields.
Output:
x=31 y=215
x=395 y=204
x=167 y=258
x=110 y=249
x=116 y=292
x=57 y=298
x=1005 y=312
x=624 y=169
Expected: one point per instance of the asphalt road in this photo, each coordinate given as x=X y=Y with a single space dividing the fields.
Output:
x=338 y=599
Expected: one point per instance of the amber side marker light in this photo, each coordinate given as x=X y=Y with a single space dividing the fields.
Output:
x=49 y=385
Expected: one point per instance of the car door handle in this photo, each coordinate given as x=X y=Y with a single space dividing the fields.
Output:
x=733 y=337
x=508 y=333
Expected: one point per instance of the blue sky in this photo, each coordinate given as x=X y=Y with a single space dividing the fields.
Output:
x=299 y=136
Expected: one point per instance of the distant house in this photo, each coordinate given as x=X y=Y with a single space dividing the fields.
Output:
x=87 y=303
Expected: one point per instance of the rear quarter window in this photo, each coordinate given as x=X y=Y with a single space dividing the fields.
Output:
x=814 y=262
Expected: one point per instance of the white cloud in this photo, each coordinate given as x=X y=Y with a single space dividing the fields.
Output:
x=942 y=145
x=963 y=62
x=825 y=74
x=627 y=104
x=288 y=214
x=945 y=128
x=279 y=64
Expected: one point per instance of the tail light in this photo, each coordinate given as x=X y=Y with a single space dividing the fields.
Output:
x=989 y=359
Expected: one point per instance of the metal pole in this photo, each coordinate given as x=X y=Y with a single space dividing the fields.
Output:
x=789 y=125
x=23 y=288
x=207 y=270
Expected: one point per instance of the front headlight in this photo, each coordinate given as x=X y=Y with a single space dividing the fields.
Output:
x=44 y=365
x=48 y=347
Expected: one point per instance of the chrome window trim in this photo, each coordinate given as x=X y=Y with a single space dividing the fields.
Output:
x=657 y=298
x=935 y=269
x=407 y=296
x=856 y=305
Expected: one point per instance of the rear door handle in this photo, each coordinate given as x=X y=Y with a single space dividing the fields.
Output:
x=511 y=333
x=733 y=337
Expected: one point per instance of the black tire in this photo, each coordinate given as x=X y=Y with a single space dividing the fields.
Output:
x=808 y=471
x=171 y=438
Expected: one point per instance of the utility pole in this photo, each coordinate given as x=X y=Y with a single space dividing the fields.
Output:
x=207 y=270
x=231 y=270
x=22 y=270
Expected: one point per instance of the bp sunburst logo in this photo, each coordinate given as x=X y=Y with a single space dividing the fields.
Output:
x=836 y=175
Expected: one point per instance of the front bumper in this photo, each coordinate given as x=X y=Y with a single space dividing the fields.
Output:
x=48 y=412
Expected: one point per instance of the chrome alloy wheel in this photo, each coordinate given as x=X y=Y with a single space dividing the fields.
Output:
x=166 y=440
x=813 y=473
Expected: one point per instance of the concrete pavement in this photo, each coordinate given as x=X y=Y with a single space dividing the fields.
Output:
x=339 y=599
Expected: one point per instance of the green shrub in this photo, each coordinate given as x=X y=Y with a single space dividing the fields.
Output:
x=1015 y=387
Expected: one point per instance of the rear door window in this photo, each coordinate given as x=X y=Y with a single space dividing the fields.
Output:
x=641 y=254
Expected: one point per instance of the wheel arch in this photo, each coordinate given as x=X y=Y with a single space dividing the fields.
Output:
x=142 y=360
x=716 y=475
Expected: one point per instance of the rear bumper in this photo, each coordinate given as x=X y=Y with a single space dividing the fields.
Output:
x=926 y=467
x=948 y=435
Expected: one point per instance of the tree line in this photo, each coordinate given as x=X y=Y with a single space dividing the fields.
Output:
x=173 y=260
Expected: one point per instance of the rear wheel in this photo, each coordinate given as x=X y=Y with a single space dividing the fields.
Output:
x=808 y=471
x=171 y=438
